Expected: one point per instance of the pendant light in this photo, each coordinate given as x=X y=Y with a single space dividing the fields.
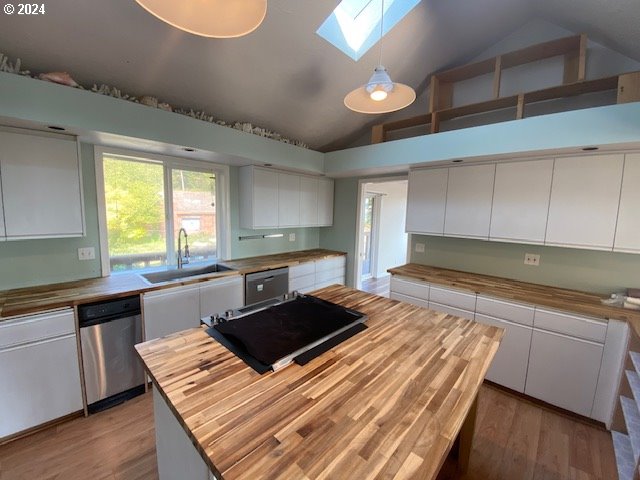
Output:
x=209 y=18
x=380 y=94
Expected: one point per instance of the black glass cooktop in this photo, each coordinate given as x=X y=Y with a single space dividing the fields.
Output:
x=297 y=330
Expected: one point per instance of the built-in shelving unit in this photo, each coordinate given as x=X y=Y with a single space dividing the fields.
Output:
x=574 y=50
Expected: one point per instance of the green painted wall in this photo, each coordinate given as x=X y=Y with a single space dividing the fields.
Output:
x=342 y=235
x=43 y=261
x=588 y=270
x=305 y=237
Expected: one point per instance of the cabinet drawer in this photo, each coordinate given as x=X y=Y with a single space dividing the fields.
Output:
x=302 y=269
x=458 y=312
x=412 y=288
x=300 y=283
x=331 y=263
x=512 y=312
x=325 y=275
x=453 y=298
x=407 y=299
x=30 y=328
x=572 y=325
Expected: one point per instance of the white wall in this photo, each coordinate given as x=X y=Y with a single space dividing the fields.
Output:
x=392 y=239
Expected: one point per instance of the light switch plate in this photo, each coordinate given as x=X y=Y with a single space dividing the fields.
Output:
x=419 y=247
x=292 y=237
x=531 y=259
x=87 y=253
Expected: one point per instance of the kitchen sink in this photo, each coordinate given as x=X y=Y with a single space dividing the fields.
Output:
x=178 y=273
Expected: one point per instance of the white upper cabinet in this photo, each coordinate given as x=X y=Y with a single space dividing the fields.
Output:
x=308 y=201
x=41 y=186
x=427 y=199
x=521 y=201
x=258 y=198
x=469 y=197
x=288 y=200
x=628 y=228
x=325 y=202
x=584 y=203
x=272 y=199
x=2 y=231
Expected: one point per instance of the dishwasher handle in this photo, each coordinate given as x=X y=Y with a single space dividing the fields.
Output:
x=106 y=319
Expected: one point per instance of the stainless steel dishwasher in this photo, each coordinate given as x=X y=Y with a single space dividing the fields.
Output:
x=113 y=372
x=261 y=286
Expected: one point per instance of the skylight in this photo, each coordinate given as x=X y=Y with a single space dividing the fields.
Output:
x=354 y=25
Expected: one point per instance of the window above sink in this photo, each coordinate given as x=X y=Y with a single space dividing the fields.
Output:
x=145 y=199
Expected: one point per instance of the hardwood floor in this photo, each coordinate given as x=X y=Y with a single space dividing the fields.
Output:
x=514 y=440
x=377 y=286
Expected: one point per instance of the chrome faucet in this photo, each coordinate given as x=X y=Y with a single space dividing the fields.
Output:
x=183 y=260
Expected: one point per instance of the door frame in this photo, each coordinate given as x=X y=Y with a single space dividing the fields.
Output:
x=357 y=266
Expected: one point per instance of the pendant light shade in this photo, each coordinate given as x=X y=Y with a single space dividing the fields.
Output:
x=209 y=18
x=380 y=95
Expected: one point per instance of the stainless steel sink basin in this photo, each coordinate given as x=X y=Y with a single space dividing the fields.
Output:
x=176 y=274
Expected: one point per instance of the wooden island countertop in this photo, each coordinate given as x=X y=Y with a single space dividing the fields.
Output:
x=389 y=402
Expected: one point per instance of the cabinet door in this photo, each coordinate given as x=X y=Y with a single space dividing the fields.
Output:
x=2 y=231
x=308 y=201
x=584 y=201
x=426 y=201
x=171 y=310
x=469 y=196
x=218 y=296
x=41 y=186
x=325 y=202
x=509 y=366
x=288 y=200
x=521 y=201
x=39 y=371
x=563 y=371
x=628 y=228
x=265 y=198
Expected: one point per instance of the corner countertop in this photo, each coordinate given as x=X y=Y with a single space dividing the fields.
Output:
x=386 y=403
x=36 y=299
x=573 y=301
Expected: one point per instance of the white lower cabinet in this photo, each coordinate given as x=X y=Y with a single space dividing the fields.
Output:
x=509 y=366
x=563 y=370
x=217 y=296
x=39 y=370
x=171 y=310
x=330 y=271
x=176 y=454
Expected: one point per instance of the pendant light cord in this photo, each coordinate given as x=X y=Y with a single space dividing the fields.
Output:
x=381 y=30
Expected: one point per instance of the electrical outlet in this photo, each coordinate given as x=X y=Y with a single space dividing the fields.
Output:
x=87 y=253
x=419 y=247
x=292 y=237
x=531 y=259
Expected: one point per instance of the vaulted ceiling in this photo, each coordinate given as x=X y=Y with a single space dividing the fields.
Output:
x=283 y=76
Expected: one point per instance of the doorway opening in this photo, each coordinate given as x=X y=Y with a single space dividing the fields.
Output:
x=382 y=241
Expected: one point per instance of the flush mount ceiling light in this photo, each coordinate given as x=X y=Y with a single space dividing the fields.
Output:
x=380 y=94
x=209 y=18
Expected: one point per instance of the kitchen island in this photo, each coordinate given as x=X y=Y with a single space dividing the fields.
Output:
x=389 y=402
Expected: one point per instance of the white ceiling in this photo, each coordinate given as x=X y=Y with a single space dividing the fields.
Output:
x=283 y=76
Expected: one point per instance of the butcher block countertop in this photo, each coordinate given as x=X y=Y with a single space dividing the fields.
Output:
x=278 y=260
x=557 y=298
x=27 y=300
x=387 y=403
